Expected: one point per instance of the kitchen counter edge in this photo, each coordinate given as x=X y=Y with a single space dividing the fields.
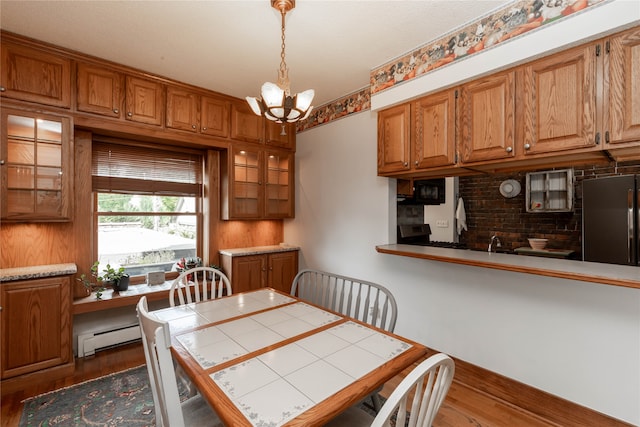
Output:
x=257 y=250
x=608 y=274
x=36 y=272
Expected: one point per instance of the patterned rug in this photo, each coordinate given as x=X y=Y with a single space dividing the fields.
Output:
x=120 y=399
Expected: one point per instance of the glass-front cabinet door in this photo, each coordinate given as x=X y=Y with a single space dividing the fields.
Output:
x=257 y=183
x=278 y=194
x=246 y=192
x=37 y=170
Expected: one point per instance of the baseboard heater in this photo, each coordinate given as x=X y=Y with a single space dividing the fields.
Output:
x=89 y=343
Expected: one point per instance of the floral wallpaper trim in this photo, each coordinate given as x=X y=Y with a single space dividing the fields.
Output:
x=353 y=103
x=515 y=19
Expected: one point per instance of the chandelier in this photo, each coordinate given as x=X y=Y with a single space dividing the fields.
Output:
x=276 y=103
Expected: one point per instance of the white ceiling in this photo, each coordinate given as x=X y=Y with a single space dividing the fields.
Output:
x=233 y=46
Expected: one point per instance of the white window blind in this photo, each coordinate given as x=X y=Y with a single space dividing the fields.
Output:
x=123 y=168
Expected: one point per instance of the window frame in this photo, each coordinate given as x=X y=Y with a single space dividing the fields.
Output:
x=199 y=199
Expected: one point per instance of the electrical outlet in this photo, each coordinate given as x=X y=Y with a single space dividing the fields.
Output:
x=442 y=223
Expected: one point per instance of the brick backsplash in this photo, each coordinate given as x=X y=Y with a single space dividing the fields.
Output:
x=488 y=212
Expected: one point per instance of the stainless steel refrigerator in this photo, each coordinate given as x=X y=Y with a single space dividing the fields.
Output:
x=610 y=219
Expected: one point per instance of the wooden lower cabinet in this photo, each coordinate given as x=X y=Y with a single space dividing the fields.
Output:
x=249 y=272
x=36 y=325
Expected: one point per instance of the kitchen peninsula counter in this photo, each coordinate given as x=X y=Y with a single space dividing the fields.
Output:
x=608 y=274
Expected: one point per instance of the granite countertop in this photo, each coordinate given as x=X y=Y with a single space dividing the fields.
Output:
x=36 y=272
x=257 y=250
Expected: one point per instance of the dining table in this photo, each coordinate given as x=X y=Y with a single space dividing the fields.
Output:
x=267 y=358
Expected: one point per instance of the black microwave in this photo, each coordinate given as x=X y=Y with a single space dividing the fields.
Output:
x=429 y=191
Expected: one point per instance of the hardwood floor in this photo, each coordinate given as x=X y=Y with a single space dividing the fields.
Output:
x=464 y=405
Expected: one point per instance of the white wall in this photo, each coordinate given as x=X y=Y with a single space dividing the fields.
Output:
x=434 y=215
x=577 y=340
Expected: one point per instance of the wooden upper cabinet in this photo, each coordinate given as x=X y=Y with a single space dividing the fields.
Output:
x=394 y=129
x=259 y=183
x=559 y=102
x=434 y=121
x=487 y=118
x=182 y=109
x=278 y=184
x=37 y=167
x=33 y=75
x=245 y=125
x=144 y=101
x=622 y=105
x=214 y=117
x=276 y=137
x=243 y=196
x=99 y=90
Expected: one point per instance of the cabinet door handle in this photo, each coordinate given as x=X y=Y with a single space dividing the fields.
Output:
x=1 y=162
x=204 y=128
x=116 y=111
x=130 y=114
x=527 y=146
x=193 y=126
x=2 y=88
x=406 y=164
x=509 y=149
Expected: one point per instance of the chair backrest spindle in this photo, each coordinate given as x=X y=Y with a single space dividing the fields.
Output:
x=204 y=283
x=363 y=300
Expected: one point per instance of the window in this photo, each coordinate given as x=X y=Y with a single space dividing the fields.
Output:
x=147 y=213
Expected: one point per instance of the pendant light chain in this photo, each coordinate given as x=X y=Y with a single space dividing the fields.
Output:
x=283 y=64
x=283 y=80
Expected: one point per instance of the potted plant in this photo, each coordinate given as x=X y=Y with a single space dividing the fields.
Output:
x=91 y=286
x=118 y=279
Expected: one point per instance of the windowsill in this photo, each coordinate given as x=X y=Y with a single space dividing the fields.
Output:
x=111 y=299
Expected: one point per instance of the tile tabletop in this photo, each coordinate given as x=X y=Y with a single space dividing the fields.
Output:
x=275 y=357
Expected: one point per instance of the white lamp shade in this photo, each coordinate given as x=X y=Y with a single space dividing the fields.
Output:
x=308 y=113
x=253 y=103
x=303 y=99
x=272 y=95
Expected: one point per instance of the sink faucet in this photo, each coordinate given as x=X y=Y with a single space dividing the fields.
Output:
x=494 y=238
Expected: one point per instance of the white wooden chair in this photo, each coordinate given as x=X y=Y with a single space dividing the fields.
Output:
x=199 y=284
x=366 y=301
x=429 y=383
x=169 y=411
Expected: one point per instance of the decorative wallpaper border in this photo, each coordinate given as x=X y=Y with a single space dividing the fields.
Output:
x=515 y=19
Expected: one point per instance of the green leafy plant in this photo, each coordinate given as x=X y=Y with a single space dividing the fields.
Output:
x=110 y=274
x=96 y=282
x=89 y=284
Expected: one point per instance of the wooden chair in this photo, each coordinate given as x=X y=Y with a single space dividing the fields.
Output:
x=199 y=284
x=366 y=301
x=427 y=398
x=169 y=411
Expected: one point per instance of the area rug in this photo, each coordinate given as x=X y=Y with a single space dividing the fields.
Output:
x=120 y=399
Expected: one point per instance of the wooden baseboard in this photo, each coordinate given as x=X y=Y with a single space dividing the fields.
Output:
x=545 y=405
x=21 y=382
